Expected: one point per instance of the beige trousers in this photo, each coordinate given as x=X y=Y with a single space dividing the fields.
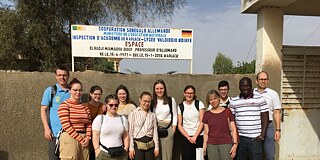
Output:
x=71 y=149
x=166 y=144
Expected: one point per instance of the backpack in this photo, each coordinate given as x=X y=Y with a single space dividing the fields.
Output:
x=53 y=93
x=181 y=106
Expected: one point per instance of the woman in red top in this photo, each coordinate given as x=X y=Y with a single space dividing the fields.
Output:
x=76 y=125
x=220 y=136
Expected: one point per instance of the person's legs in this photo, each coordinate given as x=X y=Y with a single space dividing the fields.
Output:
x=51 y=148
x=224 y=151
x=68 y=147
x=188 y=151
x=212 y=152
x=242 y=148
x=199 y=144
x=255 y=150
x=149 y=154
x=139 y=154
x=268 y=144
x=166 y=144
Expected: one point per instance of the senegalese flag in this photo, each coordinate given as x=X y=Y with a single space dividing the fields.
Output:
x=186 y=33
x=78 y=28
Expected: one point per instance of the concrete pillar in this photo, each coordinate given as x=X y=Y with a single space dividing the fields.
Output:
x=269 y=44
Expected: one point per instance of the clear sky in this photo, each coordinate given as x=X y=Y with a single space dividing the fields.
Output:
x=218 y=25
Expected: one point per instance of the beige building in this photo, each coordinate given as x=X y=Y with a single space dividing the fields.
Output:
x=294 y=72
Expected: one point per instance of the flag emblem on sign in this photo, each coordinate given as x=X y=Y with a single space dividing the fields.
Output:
x=78 y=28
x=186 y=33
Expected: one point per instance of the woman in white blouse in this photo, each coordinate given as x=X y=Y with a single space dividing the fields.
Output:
x=166 y=112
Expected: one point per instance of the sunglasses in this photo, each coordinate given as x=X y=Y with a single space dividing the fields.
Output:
x=113 y=105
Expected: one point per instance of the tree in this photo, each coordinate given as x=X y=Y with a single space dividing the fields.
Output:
x=222 y=64
x=35 y=34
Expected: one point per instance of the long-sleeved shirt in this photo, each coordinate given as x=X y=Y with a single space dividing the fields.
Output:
x=142 y=123
x=74 y=117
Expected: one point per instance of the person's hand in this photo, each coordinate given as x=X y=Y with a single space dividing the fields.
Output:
x=48 y=134
x=86 y=142
x=97 y=151
x=259 y=138
x=131 y=154
x=233 y=150
x=204 y=149
x=277 y=136
x=193 y=139
x=156 y=152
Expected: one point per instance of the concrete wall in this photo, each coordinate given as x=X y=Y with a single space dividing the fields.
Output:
x=21 y=131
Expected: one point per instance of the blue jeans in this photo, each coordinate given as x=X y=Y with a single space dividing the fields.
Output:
x=249 y=148
x=268 y=144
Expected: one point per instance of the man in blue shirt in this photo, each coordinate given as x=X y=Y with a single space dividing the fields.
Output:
x=52 y=123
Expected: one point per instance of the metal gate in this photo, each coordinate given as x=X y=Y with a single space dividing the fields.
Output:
x=300 y=120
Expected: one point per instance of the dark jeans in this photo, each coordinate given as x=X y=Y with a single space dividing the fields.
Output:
x=144 y=154
x=189 y=149
x=51 y=148
x=249 y=148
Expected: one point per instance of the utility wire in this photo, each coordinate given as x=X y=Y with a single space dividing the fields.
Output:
x=288 y=23
x=251 y=47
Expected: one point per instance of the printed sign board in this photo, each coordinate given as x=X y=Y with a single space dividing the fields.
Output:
x=131 y=42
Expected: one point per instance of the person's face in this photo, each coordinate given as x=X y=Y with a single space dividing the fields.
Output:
x=159 y=89
x=245 y=88
x=62 y=77
x=122 y=95
x=189 y=94
x=262 y=80
x=214 y=101
x=223 y=91
x=76 y=91
x=145 y=102
x=112 y=106
x=96 y=95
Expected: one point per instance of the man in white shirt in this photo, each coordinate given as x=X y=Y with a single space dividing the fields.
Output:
x=274 y=104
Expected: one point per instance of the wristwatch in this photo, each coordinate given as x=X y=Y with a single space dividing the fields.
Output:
x=279 y=130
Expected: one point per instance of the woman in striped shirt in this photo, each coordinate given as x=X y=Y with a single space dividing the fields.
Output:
x=76 y=125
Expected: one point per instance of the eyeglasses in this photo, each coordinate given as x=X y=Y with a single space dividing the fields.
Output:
x=77 y=90
x=189 y=93
x=114 y=105
x=97 y=94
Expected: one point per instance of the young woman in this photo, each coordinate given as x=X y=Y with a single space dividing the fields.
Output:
x=144 y=143
x=96 y=108
x=166 y=112
x=76 y=125
x=220 y=136
x=190 y=114
x=126 y=106
x=110 y=133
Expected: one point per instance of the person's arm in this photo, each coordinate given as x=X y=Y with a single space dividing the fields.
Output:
x=44 y=118
x=277 y=133
x=155 y=132
x=131 y=130
x=180 y=127
x=234 y=135
x=88 y=128
x=264 y=124
x=205 y=138
x=175 y=114
x=125 y=139
x=95 y=141
x=200 y=127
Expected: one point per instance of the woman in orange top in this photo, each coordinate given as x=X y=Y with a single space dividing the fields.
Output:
x=76 y=125
x=96 y=108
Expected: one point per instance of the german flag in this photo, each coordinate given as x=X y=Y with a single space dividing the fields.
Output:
x=78 y=28
x=186 y=33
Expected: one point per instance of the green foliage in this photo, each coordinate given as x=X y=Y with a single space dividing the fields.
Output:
x=224 y=65
x=35 y=34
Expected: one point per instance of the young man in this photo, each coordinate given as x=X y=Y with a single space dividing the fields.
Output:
x=251 y=115
x=49 y=108
x=274 y=104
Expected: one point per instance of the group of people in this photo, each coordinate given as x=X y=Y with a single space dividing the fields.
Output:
x=118 y=129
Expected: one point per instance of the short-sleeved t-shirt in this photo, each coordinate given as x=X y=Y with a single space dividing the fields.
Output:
x=219 y=130
x=60 y=96
x=190 y=115
x=111 y=130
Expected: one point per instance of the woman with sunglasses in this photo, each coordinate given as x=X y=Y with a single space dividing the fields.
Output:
x=126 y=106
x=96 y=108
x=76 y=125
x=110 y=132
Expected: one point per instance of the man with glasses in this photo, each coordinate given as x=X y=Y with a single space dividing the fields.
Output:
x=274 y=104
x=223 y=87
x=52 y=97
